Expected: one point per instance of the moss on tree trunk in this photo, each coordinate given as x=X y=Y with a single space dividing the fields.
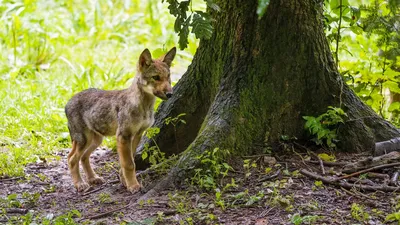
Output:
x=255 y=79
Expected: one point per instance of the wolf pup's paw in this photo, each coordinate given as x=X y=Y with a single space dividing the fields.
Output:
x=96 y=180
x=134 y=188
x=81 y=186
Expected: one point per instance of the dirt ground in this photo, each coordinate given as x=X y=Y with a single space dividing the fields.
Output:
x=262 y=197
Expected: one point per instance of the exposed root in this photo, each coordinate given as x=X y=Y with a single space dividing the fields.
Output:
x=385 y=147
x=163 y=184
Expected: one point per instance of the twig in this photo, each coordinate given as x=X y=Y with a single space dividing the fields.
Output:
x=255 y=156
x=10 y=179
x=17 y=210
x=321 y=164
x=270 y=177
x=328 y=163
x=369 y=169
x=169 y=212
x=110 y=212
x=88 y=192
x=347 y=185
x=379 y=175
x=350 y=192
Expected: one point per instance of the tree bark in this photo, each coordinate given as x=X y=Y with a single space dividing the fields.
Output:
x=254 y=80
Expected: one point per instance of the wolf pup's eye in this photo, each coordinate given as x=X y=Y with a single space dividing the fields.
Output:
x=156 y=77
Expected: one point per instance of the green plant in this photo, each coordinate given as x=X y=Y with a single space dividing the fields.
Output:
x=218 y=199
x=358 y=212
x=364 y=39
x=318 y=184
x=393 y=217
x=174 y=121
x=63 y=219
x=153 y=153
x=212 y=168
x=297 y=219
x=248 y=164
x=104 y=198
x=179 y=202
x=324 y=127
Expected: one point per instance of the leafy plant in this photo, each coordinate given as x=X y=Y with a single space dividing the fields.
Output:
x=213 y=167
x=393 y=217
x=364 y=39
x=104 y=198
x=324 y=127
x=174 y=121
x=153 y=153
x=358 y=212
x=297 y=219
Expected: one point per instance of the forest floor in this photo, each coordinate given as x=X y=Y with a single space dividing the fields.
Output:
x=264 y=194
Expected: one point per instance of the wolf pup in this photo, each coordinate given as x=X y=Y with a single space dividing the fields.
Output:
x=95 y=113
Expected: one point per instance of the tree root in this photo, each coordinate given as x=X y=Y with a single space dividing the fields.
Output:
x=346 y=185
x=163 y=184
x=385 y=147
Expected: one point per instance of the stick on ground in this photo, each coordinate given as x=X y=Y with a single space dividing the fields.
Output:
x=369 y=169
x=347 y=185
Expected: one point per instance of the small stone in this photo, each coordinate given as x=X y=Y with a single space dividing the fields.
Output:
x=270 y=161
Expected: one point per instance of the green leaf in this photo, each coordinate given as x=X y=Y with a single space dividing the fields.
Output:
x=395 y=106
x=262 y=7
x=183 y=34
x=201 y=25
x=144 y=155
x=327 y=158
x=356 y=29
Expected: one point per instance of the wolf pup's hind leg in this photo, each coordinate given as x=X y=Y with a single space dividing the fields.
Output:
x=91 y=176
x=78 y=149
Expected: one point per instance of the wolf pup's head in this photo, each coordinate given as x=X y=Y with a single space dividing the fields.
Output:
x=155 y=74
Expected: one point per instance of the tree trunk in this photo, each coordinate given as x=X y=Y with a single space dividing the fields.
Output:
x=254 y=80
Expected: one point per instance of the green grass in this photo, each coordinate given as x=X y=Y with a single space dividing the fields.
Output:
x=52 y=49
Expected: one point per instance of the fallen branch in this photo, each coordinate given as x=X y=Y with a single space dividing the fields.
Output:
x=372 y=161
x=385 y=147
x=17 y=210
x=101 y=215
x=270 y=177
x=336 y=182
x=369 y=169
x=328 y=163
x=10 y=179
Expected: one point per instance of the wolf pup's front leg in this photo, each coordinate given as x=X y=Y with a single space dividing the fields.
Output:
x=128 y=170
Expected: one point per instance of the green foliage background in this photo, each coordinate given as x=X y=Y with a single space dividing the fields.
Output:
x=52 y=49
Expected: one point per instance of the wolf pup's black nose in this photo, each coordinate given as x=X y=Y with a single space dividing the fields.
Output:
x=169 y=95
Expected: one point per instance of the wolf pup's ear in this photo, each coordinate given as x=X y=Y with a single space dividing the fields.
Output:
x=169 y=57
x=145 y=59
